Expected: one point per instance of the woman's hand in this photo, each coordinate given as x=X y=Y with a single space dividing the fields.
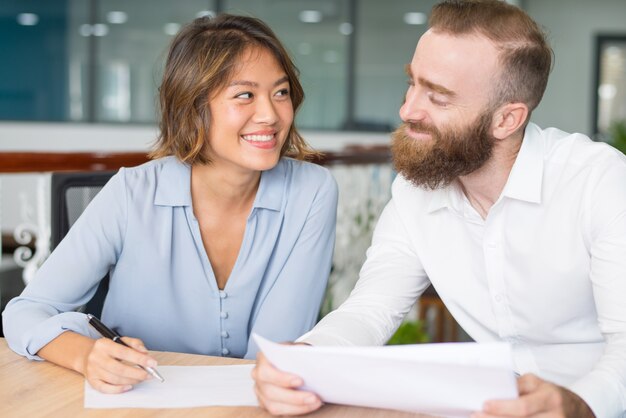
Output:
x=110 y=367
x=277 y=391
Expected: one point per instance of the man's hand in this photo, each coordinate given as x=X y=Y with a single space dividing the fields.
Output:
x=277 y=391
x=538 y=398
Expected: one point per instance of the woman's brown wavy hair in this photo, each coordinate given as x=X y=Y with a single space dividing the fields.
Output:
x=200 y=62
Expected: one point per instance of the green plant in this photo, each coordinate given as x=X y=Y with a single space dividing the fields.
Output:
x=410 y=332
x=618 y=135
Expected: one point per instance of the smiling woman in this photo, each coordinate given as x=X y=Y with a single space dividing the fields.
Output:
x=221 y=235
x=257 y=114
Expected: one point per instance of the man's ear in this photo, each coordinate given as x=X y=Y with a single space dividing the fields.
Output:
x=508 y=119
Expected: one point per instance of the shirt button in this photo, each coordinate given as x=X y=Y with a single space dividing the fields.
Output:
x=223 y=294
x=224 y=315
x=224 y=334
x=498 y=298
x=225 y=351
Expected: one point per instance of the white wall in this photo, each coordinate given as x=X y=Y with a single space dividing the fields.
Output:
x=572 y=25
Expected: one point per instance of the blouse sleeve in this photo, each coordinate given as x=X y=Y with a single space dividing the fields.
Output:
x=70 y=276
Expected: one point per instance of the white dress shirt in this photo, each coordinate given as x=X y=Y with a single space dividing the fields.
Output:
x=545 y=271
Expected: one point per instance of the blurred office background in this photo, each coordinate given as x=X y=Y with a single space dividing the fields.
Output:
x=83 y=74
x=100 y=61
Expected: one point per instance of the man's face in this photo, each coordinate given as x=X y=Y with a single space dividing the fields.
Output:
x=451 y=152
x=447 y=114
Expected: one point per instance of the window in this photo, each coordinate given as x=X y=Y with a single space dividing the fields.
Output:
x=101 y=60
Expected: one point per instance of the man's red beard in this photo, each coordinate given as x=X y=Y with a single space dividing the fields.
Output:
x=447 y=155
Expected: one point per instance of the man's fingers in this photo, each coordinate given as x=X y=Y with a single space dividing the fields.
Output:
x=279 y=401
x=264 y=371
x=286 y=395
x=528 y=383
x=537 y=396
x=276 y=390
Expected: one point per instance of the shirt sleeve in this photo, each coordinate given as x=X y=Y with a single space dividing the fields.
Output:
x=604 y=387
x=69 y=278
x=389 y=283
x=292 y=305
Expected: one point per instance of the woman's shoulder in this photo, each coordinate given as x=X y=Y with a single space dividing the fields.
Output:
x=154 y=171
x=304 y=173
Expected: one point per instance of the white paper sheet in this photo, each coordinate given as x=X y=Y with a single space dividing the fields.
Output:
x=452 y=379
x=184 y=387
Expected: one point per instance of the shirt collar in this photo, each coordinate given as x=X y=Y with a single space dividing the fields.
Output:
x=447 y=197
x=272 y=187
x=524 y=182
x=174 y=185
x=526 y=176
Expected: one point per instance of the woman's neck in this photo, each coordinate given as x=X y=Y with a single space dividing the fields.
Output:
x=225 y=189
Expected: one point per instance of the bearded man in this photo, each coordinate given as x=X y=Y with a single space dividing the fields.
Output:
x=522 y=231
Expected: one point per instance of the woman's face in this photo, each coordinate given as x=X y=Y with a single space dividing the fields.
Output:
x=251 y=116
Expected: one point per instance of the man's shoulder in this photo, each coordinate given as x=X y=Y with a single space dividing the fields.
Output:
x=562 y=147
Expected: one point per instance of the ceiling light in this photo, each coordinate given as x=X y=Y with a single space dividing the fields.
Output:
x=310 y=16
x=607 y=91
x=345 y=28
x=117 y=17
x=203 y=13
x=85 y=30
x=415 y=18
x=27 y=19
x=100 y=29
x=171 y=28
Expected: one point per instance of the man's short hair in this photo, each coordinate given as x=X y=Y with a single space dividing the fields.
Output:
x=525 y=55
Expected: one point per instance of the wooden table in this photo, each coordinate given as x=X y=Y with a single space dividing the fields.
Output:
x=41 y=389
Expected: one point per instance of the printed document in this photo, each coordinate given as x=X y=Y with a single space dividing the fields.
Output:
x=448 y=379
x=184 y=387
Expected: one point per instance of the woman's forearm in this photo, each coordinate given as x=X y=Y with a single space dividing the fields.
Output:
x=69 y=350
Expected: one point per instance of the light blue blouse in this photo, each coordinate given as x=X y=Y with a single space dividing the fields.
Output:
x=141 y=229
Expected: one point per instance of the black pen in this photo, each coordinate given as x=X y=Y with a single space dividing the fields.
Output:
x=107 y=332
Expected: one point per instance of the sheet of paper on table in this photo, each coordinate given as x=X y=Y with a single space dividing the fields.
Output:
x=184 y=387
x=449 y=379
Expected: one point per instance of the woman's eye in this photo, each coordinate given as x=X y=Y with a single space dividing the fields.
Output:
x=246 y=95
x=283 y=92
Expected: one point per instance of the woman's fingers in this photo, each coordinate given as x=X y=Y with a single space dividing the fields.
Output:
x=112 y=367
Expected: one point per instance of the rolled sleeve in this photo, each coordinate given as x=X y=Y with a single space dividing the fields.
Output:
x=69 y=278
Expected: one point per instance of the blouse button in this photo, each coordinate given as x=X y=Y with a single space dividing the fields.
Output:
x=225 y=351
x=224 y=334
x=223 y=294
x=223 y=315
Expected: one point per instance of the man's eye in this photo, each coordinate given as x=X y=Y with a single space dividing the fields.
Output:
x=437 y=101
x=246 y=95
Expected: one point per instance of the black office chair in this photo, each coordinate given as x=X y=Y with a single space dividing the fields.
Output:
x=71 y=192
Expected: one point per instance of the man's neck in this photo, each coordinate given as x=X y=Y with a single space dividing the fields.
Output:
x=484 y=186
